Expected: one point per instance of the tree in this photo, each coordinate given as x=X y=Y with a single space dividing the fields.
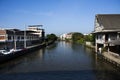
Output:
x=51 y=37
x=90 y=38
x=77 y=36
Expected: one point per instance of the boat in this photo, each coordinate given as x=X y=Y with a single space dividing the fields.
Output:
x=11 y=54
x=4 y=52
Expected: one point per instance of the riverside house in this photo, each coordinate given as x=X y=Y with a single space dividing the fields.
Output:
x=107 y=31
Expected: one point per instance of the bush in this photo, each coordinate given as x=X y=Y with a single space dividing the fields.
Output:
x=76 y=37
x=90 y=38
x=51 y=37
x=81 y=41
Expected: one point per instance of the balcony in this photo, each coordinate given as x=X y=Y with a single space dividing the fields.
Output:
x=100 y=41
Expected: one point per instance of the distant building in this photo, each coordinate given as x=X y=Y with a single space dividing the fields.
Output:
x=69 y=35
x=66 y=36
x=107 y=31
x=63 y=36
x=87 y=34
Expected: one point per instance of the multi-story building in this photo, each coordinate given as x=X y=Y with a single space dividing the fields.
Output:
x=36 y=30
x=107 y=31
x=18 y=37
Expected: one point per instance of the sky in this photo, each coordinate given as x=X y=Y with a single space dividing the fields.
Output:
x=56 y=16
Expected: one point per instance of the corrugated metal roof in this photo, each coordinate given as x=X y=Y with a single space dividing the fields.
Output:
x=109 y=21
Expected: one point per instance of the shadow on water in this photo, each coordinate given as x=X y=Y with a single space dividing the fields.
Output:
x=53 y=46
x=21 y=60
x=62 y=75
x=60 y=61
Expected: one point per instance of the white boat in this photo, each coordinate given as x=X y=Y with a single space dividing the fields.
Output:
x=4 y=52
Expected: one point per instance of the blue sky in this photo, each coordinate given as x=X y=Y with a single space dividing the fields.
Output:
x=57 y=16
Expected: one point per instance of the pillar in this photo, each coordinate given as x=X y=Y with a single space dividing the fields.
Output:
x=96 y=47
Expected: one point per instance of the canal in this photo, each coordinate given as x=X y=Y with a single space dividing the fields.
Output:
x=59 y=61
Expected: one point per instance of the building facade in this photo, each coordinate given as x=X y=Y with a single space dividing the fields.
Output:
x=36 y=30
x=11 y=37
x=69 y=35
x=66 y=36
x=63 y=37
x=107 y=31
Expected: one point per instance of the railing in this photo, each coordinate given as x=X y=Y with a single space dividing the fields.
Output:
x=101 y=41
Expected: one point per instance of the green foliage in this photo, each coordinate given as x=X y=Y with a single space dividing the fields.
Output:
x=67 y=39
x=51 y=37
x=81 y=41
x=77 y=36
x=90 y=38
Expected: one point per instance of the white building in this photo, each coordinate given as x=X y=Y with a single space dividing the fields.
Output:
x=63 y=36
x=66 y=36
x=18 y=37
x=36 y=30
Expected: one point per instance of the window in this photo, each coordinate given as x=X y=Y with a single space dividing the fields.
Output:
x=18 y=37
x=22 y=37
x=9 y=38
x=2 y=37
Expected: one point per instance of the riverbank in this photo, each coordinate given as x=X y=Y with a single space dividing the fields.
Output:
x=89 y=45
x=29 y=49
x=111 y=59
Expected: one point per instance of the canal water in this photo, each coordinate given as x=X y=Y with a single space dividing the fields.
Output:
x=59 y=61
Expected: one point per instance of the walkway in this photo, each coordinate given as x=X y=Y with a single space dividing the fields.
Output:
x=112 y=56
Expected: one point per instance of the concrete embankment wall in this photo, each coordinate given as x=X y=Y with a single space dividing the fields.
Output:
x=107 y=57
x=4 y=58
x=89 y=44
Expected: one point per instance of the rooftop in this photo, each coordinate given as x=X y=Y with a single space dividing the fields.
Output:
x=109 y=21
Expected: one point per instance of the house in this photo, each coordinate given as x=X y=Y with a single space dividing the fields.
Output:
x=69 y=35
x=107 y=31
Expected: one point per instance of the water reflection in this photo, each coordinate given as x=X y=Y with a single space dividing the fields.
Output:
x=53 y=46
x=74 y=61
x=22 y=63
